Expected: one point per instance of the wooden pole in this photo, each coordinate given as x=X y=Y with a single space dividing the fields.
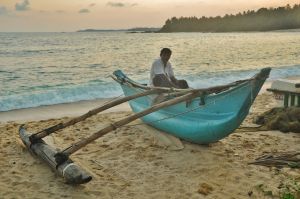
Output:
x=52 y=129
x=63 y=156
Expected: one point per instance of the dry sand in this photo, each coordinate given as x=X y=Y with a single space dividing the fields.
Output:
x=140 y=162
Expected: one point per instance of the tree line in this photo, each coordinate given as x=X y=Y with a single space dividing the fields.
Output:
x=264 y=19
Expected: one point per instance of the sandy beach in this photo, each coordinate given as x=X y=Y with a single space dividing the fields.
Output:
x=141 y=162
x=61 y=61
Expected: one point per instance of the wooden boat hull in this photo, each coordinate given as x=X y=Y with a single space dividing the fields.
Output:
x=71 y=172
x=200 y=123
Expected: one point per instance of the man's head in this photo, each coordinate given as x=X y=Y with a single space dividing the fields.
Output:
x=165 y=54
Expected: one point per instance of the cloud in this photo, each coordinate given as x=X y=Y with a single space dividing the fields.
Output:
x=3 y=10
x=92 y=4
x=120 y=5
x=22 y=6
x=84 y=10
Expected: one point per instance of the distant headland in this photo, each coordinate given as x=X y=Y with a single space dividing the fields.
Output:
x=131 y=30
x=264 y=19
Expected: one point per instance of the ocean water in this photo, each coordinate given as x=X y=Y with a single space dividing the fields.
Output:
x=52 y=68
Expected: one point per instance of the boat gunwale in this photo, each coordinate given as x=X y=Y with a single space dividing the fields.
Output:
x=207 y=96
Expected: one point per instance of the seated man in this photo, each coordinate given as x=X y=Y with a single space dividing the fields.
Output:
x=162 y=74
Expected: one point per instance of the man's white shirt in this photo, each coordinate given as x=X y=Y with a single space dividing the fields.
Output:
x=158 y=68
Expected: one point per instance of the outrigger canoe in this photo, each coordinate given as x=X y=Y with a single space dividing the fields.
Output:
x=207 y=118
x=197 y=115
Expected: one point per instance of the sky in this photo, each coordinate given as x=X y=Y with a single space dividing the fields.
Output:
x=73 y=15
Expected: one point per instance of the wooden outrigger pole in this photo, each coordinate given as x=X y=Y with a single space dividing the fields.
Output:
x=63 y=156
x=60 y=161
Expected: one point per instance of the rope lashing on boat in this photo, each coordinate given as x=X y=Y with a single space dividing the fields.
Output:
x=61 y=157
x=201 y=101
x=64 y=170
x=202 y=98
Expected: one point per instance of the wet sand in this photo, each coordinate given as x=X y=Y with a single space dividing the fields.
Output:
x=57 y=111
x=141 y=162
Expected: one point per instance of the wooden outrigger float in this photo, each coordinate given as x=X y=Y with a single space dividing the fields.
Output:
x=59 y=160
x=71 y=172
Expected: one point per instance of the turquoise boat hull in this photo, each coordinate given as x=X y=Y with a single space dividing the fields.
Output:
x=219 y=116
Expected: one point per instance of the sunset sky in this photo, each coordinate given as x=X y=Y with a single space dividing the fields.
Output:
x=72 y=15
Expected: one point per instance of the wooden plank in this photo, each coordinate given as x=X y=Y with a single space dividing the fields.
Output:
x=281 y=91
